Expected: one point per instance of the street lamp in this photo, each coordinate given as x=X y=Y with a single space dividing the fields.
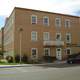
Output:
x=20 y=36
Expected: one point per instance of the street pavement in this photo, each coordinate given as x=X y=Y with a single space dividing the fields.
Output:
x=42 y=72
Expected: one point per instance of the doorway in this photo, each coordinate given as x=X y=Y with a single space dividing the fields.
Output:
x=59 y=53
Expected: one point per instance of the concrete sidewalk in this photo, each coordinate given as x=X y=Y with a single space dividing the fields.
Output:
x=30 y=65
x=18 y=65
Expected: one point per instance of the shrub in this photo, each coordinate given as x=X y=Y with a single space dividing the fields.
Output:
x=9 y=59
x=17 y=58
x=24 y=59
x=3 y=61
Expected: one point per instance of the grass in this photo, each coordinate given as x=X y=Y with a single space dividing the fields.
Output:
x=9 y=63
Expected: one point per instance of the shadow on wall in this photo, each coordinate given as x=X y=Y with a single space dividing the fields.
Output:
x=49 y=59
x=24 y=59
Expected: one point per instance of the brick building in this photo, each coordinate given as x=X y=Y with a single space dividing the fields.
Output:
x=39 y=33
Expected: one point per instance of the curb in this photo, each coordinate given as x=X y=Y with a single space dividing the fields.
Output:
x=15 y=66
x=30 y=65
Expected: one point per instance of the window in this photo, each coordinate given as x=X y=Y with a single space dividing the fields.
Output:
x=68 y=51
x=47 y=51
x=46 y=36
x=67 y=23
x=46 y=20
x=58 y=36
x=34 y=36
x=68 y=37
x=34 y=52
x=58 y=22
x=33 y=19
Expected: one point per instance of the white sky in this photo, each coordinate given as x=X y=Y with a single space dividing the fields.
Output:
x=58 y=6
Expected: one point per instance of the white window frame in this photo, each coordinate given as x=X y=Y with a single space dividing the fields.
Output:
x=68 y=34
x=56 y=36
x=48 y=50
x=47 y=24
x=44 y=36
x=69 y=23
x=36 y=56
x=68 y=49
x=58 y=25
x=32 y=20
x=34 y=39
x=59 y=55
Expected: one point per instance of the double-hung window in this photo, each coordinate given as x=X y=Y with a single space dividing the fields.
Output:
x=67 y=23
x=33 y=19
x=34 y=36
x=46 y=21
x=58 y=22
x=34 y=52
x=47 y=51
x=46 y=36
x=58 y=36
x=68 y=37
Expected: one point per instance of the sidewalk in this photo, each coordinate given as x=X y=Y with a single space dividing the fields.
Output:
x=18 y=65
x=30 y=65
x=55 y=63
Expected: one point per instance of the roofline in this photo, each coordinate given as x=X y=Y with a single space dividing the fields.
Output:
x=46 y=12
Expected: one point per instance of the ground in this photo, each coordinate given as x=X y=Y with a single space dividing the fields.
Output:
x=43 y=72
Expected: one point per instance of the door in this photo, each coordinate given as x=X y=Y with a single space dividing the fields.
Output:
x=58 y=54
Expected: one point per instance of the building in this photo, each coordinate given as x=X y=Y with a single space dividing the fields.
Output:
x=0 y=41
x=39 y=33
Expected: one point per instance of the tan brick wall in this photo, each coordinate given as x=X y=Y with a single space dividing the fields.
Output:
x=23 y=20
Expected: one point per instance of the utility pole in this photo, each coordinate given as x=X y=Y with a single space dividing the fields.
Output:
x=20 y=35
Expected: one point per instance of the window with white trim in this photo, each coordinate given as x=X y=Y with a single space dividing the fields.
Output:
x=68 y=37
x=34 y=52
x=46 y=36
x=46 y=21
x=33 y=19
x=58 y=36
x=58 y=22
x=67 y=23
x=68 y=51
x=47 y=51
x=34 y=36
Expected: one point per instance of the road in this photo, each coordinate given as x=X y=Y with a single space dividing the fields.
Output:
x=40 y=73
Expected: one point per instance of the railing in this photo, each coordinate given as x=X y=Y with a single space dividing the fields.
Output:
x=53 y=43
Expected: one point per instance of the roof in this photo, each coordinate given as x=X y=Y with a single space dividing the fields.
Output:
x=46 y=12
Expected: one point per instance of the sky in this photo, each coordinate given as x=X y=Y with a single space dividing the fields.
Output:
x=71 y=7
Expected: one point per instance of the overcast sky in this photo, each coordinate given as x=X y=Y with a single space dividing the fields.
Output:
x=71 y=7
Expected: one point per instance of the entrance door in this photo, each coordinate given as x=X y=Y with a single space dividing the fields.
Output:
x=58 y=54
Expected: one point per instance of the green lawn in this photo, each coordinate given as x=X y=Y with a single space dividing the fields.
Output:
x=9 y=63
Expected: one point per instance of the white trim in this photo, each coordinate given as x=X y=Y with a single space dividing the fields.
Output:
x=58 y=34
x=44 y=36
x=59 y=55
x=47 y=24
x=68 y=34
x=48 y=50
x=58 y=25
x=31 y=19
x=32 y=39
x=69 y=24
x=36 y=52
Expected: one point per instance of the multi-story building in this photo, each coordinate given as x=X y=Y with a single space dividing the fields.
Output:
x=39 y=33
x=1 y=41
